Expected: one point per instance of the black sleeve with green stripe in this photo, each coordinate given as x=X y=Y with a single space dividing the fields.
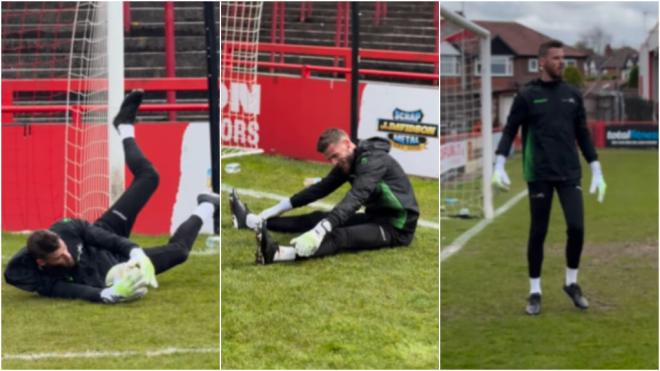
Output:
x=517 y=116
x=369 y=171
x=70 y=290
x=327 y=185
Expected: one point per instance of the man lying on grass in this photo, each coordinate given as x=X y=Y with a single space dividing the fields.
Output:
x=377 y=182
x=97 y=262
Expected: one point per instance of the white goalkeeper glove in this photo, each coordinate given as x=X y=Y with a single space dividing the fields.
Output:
x=138 y=257
x=500 y=178
x=597 y=181
x=307 y=243
x=278 y=209
x=128 y=288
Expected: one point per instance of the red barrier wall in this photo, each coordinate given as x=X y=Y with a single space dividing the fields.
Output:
x=33 y=169
x=295 y=111
x=32 y=176
x=161 y=144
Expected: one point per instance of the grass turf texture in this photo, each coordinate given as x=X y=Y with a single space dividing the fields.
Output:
x=484 y=286
x=181 y=313
x=376 y=309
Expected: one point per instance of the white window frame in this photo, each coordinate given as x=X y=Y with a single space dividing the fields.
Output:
x=508 y=66
x=450 y=65
x=571 y=62
x=533 y=65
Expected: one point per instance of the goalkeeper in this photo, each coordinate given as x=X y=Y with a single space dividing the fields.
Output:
x=377 y=182
x=72 y=258
x=553 y=119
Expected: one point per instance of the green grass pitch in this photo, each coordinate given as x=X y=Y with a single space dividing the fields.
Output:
x=182 y=313
x=376 y=309
x=484 y=286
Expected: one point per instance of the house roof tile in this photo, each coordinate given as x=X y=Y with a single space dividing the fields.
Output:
x=523 y=40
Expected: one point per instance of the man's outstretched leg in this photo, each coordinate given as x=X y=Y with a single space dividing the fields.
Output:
x=242 y=218
x=121 y=216
x=353 y=237
x=178 y=247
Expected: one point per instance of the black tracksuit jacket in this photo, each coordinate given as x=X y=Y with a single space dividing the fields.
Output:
x=95 y=251
x=553 y=119
x=378 y=183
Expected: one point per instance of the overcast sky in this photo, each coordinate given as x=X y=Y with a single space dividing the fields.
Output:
x=623 y=20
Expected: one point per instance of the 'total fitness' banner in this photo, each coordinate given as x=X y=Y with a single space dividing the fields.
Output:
x=632 y=136
x=409 y=118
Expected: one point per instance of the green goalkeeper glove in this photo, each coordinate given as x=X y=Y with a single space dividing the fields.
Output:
x=146 y=266
x=307 y=243
x=124 y=289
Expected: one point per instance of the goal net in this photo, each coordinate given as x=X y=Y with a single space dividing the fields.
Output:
x=466 y=126
x=240 y=93
x=55 y=56
x=93 y=174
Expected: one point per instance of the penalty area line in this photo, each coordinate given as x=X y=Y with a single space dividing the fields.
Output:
x=461 y=240
x=108 y=354
x=317 y=204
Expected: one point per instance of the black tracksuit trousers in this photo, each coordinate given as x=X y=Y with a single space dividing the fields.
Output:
x=121 y=216
x=361 y=232
x=540 y=203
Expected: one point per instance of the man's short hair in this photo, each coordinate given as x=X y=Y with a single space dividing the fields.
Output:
x=543 y=49
x=41 y=243
x=328 y=137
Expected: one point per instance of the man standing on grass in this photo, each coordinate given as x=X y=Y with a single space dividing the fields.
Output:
x=553 y=119
x=73 y=258
x=377 y=182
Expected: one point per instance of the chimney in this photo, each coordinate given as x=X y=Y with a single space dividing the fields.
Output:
x=608 y=51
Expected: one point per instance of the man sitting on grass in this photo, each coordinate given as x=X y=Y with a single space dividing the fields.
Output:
x=377 y=182
x=72 y=258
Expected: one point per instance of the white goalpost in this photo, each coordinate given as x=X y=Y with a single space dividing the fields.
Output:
x=94 y=164
x=240 y=93
x=465 y=118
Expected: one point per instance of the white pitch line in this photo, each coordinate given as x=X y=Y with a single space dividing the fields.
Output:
x=318 y=204
x=95 y=354
x=461 y=240
x=428 y=224
x=206 y=252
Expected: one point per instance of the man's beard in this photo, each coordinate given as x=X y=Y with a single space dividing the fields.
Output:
x=556 y=74
x=346 y=165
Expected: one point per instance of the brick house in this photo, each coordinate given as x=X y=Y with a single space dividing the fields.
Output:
x=618 y=63
x=514 y=51
x=514 y=62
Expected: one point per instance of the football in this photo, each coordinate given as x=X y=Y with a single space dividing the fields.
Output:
x=122 y=270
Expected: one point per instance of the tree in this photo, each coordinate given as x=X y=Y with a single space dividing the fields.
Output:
x=595 y=39
x=573 y=76
x=582 y=45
